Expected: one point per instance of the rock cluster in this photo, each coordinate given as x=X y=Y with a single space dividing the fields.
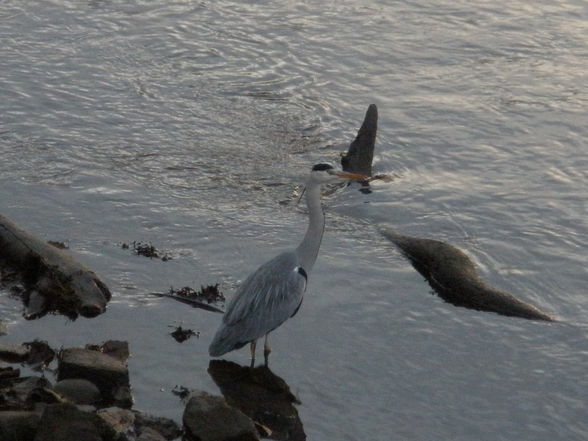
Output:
x=90 y=401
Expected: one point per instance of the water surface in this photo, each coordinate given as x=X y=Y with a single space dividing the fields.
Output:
x=191 y=124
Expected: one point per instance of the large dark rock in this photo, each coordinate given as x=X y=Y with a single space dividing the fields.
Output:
x=121 y=421
x=210 y=418
x=360 y=155
x=261 y=395
x=54 y=281
x=452 y=274
x=148 y=434
x=18 y=425
x=169 y=429
x=109 y=374
x=23 y=393
x=65 y=422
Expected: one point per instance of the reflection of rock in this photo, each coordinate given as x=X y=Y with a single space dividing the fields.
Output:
x=452 y=274
x=260 y=394
x=210 y=418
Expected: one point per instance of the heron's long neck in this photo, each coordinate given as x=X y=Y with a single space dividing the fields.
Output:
x=309 y=247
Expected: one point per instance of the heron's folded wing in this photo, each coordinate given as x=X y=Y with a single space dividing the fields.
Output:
x=269 y=296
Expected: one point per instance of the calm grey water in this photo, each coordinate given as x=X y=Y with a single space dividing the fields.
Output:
x=187 y=123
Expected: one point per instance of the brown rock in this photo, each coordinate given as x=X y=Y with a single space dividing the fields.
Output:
x=18 y=425
x=210 y=418
x=106 y=372
x=65 y=422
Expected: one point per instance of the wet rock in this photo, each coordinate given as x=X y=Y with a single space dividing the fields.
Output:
x=452 y=274
x=262 y=396
x=65 y=422
x=121 y=421
x=13 y=353
x=78 y=391
x=54 y=281
x=115 y=348
x=169 y=429
x=210 y=418
x=122 y=397
x=109 y=374
x=18 y=425
x=149 y=434
x=360 y=155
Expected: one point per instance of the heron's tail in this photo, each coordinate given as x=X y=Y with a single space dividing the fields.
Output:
x=225 y=340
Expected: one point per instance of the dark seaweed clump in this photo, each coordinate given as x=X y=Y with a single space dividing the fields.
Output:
x=208 y=294
x=147 y=250
x=181 y=334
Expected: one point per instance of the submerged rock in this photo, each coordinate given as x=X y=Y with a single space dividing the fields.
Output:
x=210 y=418
x=452 y=274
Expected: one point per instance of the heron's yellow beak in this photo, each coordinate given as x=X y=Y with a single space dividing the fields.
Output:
x=345 y=175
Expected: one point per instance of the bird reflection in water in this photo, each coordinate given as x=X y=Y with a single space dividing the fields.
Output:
x=262 y=396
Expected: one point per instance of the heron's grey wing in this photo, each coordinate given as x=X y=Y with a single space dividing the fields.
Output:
x=266 y=299
x=272 y=293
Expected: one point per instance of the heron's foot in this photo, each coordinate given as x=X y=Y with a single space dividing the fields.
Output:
x=253 y=344
x=266 y=352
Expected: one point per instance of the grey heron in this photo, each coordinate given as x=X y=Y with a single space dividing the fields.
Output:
x=273 y=293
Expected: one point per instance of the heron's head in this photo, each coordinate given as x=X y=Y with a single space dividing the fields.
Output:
x=326 y=174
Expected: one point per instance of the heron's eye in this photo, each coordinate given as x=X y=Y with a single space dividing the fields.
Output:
x=322 y=167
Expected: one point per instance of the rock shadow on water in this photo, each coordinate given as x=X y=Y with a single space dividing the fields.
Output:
x=262 y=396
x=453 y=276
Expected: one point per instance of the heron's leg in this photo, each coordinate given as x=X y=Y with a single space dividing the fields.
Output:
x=253 y=344
x=266 y=349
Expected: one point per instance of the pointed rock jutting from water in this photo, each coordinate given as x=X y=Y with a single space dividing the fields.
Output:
x=452 y=274
x=360 y=155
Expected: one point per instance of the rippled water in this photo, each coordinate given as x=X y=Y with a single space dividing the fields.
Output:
x=191 y=124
